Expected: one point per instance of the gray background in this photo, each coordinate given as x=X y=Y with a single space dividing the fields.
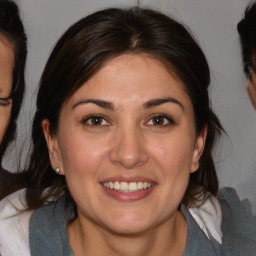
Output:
x=213 y=24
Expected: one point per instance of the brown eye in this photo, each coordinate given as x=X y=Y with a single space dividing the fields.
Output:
x=95 y=120
x=160 y=120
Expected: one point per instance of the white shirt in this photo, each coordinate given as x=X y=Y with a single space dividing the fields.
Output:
x=14 y=224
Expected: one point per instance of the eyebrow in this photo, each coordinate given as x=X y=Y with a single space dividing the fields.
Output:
x=100 y=103
x=157 y=102
x=149 y=104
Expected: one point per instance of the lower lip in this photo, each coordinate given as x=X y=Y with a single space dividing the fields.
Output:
x=128 y=196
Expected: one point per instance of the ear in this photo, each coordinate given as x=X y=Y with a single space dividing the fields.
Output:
x=198 y=149
x=53 y=147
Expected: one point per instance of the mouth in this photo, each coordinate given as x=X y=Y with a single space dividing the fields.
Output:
x=127 y=187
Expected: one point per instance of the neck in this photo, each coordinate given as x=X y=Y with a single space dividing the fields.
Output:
x=168 y=238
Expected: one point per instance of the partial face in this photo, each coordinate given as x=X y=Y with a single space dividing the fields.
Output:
x=251 y=89
x=6 y=68
x=126 y=143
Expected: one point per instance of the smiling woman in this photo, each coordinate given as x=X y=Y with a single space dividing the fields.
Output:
x=136 y=138
x=123 y=117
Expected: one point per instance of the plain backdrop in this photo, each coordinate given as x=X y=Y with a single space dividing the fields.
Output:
x=213 y=23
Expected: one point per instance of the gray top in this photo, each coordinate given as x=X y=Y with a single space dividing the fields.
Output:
x=198 y=243
x=48 y=230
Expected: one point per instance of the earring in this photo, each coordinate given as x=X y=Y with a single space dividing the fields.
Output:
x=57 y=170
x=197 y=163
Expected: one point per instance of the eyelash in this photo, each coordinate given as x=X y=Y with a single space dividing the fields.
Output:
x=167 y=120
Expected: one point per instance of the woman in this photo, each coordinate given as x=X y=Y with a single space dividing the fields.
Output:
x=122 y=159
x=13 y=52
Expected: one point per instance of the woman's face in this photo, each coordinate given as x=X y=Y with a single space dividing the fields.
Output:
x=126 y=144
x=6 y=68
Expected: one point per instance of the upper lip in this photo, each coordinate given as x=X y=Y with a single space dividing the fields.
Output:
x=128 y=179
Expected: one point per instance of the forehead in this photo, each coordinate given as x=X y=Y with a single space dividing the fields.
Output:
x=133 y=76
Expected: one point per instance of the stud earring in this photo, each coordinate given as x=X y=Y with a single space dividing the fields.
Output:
x=197 y=163
x=57 y=170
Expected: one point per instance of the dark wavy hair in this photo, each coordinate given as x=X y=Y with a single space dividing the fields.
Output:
x=247 y=31
x=12 y=29
x=83 y=50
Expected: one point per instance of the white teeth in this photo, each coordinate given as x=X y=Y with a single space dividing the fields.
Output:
x=127 y=187
x=116 y=185
x=124 y=186
x=140 y=185
x=133 y=186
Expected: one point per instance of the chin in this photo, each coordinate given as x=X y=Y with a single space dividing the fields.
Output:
x=129 y=230
x=130 y=225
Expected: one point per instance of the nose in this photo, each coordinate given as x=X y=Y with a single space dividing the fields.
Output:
x=129 y=148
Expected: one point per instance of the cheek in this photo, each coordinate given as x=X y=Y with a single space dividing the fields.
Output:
x=174 y=156
x=82 y=155
x=174 y=152
x=82 y=160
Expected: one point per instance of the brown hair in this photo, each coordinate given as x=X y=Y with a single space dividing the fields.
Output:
x=84 y=49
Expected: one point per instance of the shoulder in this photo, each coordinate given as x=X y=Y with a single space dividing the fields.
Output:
x=238 y=224
x=48 y=230
x=234 y=208
x=43 y=218
x=14 y=223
